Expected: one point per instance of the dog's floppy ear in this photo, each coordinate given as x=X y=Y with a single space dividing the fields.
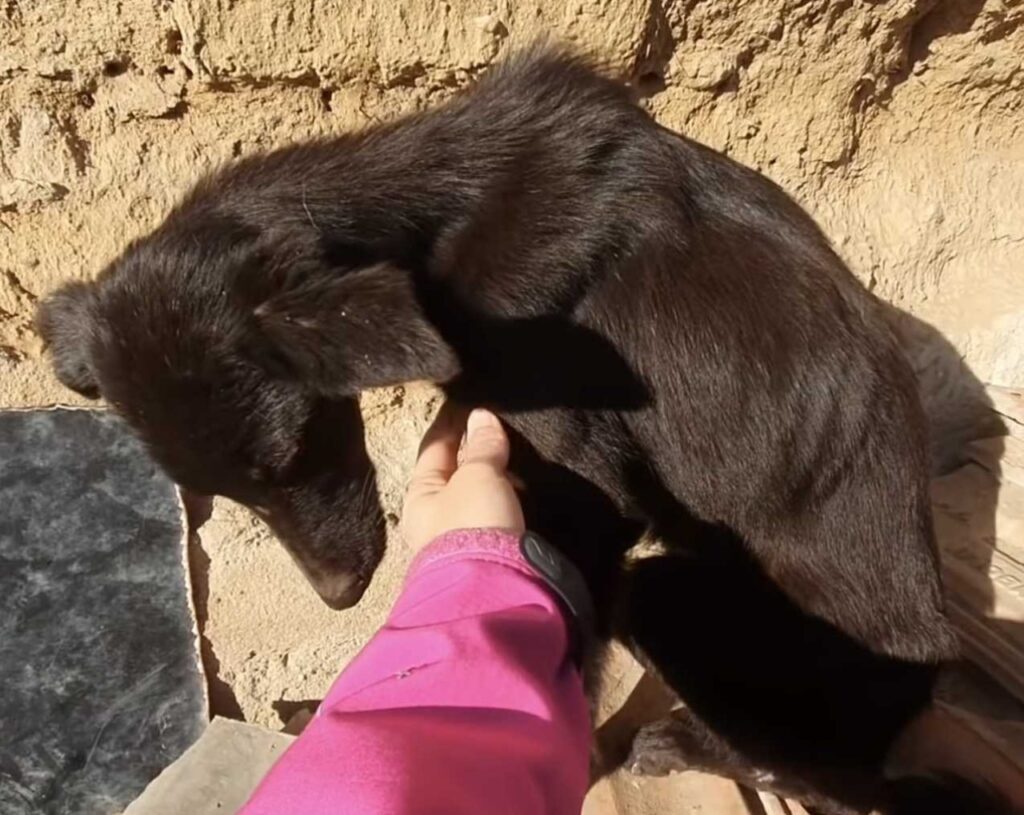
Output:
x=349 y=331
x=64 y=321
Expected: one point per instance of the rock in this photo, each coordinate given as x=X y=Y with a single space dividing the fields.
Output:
x=99 y=662
x=40 y=160
x=132 y=96
x=704 y=69
x=217 y=774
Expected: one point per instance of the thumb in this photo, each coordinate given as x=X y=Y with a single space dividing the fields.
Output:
x=486 y=441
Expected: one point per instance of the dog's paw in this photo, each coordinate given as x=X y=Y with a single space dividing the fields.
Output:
x=656 y=751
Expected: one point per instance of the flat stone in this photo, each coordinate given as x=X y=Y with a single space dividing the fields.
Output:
x=217 y=774
x=102 y=685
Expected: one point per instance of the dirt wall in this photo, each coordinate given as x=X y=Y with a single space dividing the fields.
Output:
x=899 y=124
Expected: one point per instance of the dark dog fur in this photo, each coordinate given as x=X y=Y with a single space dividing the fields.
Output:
x=673 y=342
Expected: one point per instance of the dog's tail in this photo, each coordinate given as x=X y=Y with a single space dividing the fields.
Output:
x=942 y=794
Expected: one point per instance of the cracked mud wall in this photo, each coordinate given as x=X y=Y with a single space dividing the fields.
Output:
x=898 y=123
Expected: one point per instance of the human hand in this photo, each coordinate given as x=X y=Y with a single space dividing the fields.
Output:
x=461 y=489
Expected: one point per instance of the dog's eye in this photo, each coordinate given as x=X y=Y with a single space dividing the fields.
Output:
x=256 y=474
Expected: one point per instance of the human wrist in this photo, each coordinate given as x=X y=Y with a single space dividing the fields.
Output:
x=529 y=554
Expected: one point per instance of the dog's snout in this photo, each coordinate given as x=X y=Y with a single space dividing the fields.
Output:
x=340 y=591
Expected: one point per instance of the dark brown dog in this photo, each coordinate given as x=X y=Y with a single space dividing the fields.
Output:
x=675 y=345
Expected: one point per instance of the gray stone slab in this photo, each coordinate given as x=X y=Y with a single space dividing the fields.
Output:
x=217 y=774
x=100 y=679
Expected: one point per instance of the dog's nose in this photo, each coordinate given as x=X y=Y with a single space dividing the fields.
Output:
x=340 y=591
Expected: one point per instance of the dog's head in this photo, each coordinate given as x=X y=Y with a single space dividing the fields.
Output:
x=238 y=356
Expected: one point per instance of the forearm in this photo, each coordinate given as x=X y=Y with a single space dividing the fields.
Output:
x=465 y=702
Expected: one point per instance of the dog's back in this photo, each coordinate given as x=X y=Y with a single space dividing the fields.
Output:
x=769 y=430
x=777 y=400
x=783 y=407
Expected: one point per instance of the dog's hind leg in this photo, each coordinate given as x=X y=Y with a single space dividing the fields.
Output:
x=774 y=690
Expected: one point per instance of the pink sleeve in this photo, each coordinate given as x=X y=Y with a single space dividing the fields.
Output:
x=463 y=703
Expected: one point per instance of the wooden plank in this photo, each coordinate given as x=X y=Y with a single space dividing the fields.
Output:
x=949 y=739
x=979 y=524
x=772 y=805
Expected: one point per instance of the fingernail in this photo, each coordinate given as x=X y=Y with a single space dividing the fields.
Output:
x=480 y=419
